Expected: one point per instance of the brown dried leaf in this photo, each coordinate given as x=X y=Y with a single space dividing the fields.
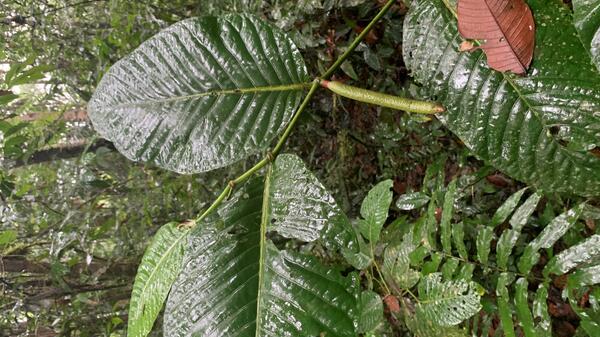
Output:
x=507 y=27
x=392 y=303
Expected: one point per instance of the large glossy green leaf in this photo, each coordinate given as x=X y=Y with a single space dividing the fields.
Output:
x=236 y=282
x=586 y=14
x=201 y=94
x=537 y=128
x=157 y=272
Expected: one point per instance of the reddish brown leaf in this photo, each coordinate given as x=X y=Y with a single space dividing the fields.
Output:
x=392 y=303
x=507 y=27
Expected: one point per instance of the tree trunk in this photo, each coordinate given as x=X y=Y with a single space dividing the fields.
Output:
x=62 y=152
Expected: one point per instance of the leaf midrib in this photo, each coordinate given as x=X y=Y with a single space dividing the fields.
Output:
x=236 y=91
x=265 y=218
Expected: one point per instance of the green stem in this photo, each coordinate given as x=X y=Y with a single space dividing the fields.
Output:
x=288 y=130
x=226 y=192
x=387 y=289
x=266 y=160
x=358 y=40
x=381 y=99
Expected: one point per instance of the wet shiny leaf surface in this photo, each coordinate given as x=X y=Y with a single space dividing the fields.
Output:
x=538 y=128
x=157 y=272
x=524 y=316
x=201 y=94
x=446 y=303
x=410 y=201
x=555 y=230
x=586 y=252
x=302 y=208
x=586 y=15
x=371 y=311
x=235 y=281
x=396 y=264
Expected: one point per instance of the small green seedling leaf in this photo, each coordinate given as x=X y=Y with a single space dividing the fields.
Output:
x=374 y=211
x=410 y=201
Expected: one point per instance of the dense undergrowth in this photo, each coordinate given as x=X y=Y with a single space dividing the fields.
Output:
x=473 y=228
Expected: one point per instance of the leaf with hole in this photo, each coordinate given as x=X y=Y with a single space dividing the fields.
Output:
x=201 y=94
x=538 y=129
x=446 y=303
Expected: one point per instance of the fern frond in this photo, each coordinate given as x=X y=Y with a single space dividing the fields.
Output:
x=483 y=242
x=522 y=306
x=509 y=238
x=458 y=238
x=447 y=211
x=424 y=328
x=504 y=310
x=586 y=252
x=555 y=230
x=447 y=303
x=540 y=312
x=504 y=211
x=439 y=258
